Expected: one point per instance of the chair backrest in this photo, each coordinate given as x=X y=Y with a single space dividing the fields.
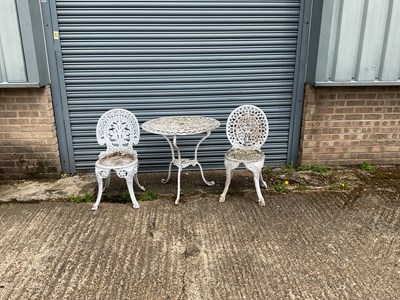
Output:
x=118 y=129
x=247 y=126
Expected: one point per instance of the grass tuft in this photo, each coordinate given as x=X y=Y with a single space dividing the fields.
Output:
x=367 y=166
x=339 y=186
x=281 y=187
x=319 y=169
x=290 y=168
x=81 y=198
x=150 y=195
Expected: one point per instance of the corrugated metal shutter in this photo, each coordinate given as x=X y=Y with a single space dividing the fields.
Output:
x=160 y=58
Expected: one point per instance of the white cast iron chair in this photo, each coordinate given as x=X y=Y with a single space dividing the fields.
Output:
x=119 y=130
x=247 y=130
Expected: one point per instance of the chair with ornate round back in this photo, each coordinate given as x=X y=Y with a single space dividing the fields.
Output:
x=119 y=130
x=247 y=130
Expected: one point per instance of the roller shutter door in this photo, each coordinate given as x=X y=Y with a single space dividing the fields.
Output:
x=161 y=58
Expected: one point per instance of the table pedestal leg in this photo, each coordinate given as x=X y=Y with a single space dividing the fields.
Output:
x=178 y=192
x=210 y=183
x=183 y=163
x=169 y=173
x=179 y=164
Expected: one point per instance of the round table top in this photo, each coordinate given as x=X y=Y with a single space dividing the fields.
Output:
x=180 y=125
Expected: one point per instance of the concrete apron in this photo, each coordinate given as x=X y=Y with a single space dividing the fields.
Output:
x=301 y=245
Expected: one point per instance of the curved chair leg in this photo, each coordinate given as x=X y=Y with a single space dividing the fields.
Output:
x=256 y=169
x=129 y=183
x=229 y=166
x=137 y=182
x=257 y=184
x=128 y=174
x=263 y=183
x=100 y=175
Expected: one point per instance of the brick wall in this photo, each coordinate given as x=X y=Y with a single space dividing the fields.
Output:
x=28 y=142
x=349 y=125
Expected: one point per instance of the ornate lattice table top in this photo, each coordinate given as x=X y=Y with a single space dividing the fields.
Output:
x=180 y=125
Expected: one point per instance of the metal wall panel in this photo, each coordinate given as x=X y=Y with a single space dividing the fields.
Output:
x=23 y=61
x=160 y=58
x=355 y=43
x=390 y=67
x=12 y=63
x=348 y=40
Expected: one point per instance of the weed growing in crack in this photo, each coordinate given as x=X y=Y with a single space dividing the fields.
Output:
x=319 y=169
x=367 y=166
x=344 y=185
x=303 y=168
x=81 y=198
x=268 y=170
x=290 y=168
x=150 y=195
x=281 y=186
x=339 y=186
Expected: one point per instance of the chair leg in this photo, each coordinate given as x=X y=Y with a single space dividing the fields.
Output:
x=128 y=174
x=229 y=166
x=263 y=183
x=258 y=190
x=108 y=179
x=137 y=182
x=256 y=169
x=100 y=175
x=129 y=183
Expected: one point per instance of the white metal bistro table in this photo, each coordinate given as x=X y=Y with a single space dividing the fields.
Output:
x=182 y=125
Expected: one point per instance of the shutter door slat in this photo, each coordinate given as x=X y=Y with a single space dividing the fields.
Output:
x=160 y=58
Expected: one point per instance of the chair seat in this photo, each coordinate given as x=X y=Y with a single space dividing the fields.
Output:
x=116 y=160
x=244 y=155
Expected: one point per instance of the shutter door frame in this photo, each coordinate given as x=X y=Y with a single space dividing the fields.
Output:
x=203 y=101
